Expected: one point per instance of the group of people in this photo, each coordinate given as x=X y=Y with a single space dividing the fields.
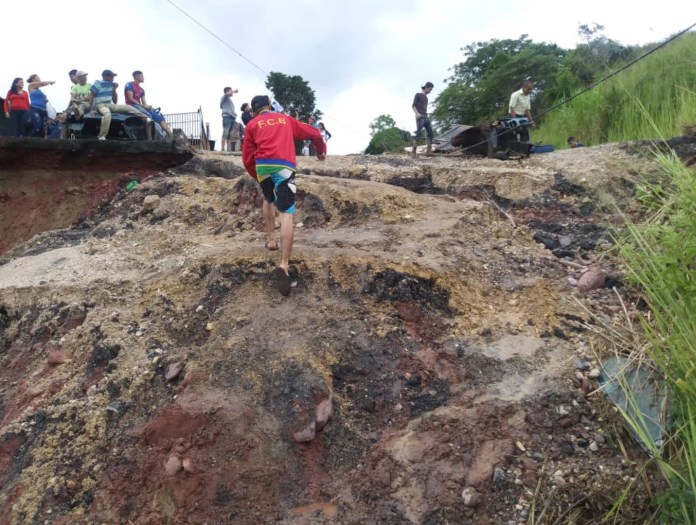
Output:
x=520 y=106
x=31 y=114
x=233 y=132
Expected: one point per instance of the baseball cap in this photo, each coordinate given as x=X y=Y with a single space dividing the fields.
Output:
x=81 y=73
x=260 y=101
x=428 y=85
x=108 y=73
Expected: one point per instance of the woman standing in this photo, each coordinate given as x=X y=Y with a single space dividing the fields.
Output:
x=17 y=108
x=324 y=132
x=37 y=112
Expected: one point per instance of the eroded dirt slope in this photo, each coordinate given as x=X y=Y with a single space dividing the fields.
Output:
x=150 y=373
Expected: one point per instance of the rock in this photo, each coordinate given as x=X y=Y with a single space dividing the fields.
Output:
x=324 y=413
x=306 y=434
x=600 y=439
x=594 y=373
x=594 y=447
x=56 y=357
x=187 y=464
x=151 y=202
x=173 y=465
x=592 y=279
x=173 y=370
x=471 y=497
x=498 y=477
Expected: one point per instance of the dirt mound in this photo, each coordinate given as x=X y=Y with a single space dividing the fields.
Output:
x=151 y=373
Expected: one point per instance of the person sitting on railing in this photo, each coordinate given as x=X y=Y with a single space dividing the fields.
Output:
x=79 y=95
x=135 y=96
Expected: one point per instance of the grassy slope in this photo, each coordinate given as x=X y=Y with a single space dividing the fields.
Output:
x=653 y=99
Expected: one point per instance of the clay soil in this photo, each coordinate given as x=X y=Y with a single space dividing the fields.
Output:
x=151 y=373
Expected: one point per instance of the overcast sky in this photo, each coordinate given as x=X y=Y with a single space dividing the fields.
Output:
x=363 y=58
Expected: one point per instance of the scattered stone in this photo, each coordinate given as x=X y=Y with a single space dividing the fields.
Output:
x=173 y=465
x=173 y=370
x=306 y=434
x=594 y=373
x=324 y=413
x=520 y=446
x=471 y=497
x=56 y=357
x=498 y=477
x=594 y=447
x=592 y=279
x=187 y=464
x=151 y=202
x=572 y=281
x=599 y=438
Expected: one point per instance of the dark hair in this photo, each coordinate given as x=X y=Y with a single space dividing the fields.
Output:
x=31 y=77
x=245 y=106
x=259 y=102
x=321 y=125
x=570 y=139
x=13 y=89
x=72 y=72
x=427 y=85
x=226 y=89
x=137 y=72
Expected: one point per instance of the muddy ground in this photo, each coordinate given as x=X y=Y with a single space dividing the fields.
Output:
x=150 y=372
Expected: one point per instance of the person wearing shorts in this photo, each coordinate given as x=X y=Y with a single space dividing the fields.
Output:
x=229 y=116
x=268 y=153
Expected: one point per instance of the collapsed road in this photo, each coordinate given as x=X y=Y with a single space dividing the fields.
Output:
x=150 y=373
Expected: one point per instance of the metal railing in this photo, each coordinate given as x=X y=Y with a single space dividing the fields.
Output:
x=192 y=125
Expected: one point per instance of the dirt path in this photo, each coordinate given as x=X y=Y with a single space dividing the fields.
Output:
x=428 y=306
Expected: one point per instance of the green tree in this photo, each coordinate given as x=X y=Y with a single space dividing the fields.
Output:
x=386 y=137
x=480 y=87
x=294 y=94
x=381 y=123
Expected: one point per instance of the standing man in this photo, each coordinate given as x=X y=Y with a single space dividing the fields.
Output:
x=135 y=96
x=103 y=98
x=269 y=156
x=521 y=107
x=420 y=108
x=229 y=115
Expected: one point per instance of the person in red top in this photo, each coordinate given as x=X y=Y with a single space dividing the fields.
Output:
x=16 y=107
x=268 y=153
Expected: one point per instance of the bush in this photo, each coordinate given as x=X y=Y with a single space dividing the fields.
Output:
x=390 y=140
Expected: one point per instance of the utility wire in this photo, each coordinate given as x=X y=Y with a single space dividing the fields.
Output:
x=199 y=24
x=216 y=37
x=595 y=84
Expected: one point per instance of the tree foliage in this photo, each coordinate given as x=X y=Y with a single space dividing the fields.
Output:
x=480 y=87
x=294 y=94
x=381 y=123
x=386 y=137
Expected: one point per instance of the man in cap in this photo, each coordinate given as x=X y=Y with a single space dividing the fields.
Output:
x=420 y=108
x=104 y=99
x=268 y=153
x=79 y=95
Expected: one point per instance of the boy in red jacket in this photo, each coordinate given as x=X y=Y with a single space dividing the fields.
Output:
x=269 y=156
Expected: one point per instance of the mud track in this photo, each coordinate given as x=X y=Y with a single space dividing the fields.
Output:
x=150 y=373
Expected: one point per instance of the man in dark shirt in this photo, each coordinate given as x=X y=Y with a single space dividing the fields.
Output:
x=420 y=108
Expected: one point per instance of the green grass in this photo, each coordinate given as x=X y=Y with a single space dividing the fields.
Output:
x=653 y=99
x=660 y=256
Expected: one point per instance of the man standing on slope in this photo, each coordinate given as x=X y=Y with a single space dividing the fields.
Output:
x=521 y=107
x=268 y=153
x=420 y=108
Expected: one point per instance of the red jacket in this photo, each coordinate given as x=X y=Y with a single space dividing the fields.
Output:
x=17 y=102
x=269 y=141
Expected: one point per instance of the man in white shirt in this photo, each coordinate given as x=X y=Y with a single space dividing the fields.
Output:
x=521 y=107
